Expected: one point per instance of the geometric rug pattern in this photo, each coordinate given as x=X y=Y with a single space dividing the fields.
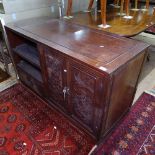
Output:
x=135 y=134
x=148 y=146
x=28 y=126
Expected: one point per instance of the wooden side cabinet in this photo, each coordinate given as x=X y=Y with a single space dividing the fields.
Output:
x=88 y=75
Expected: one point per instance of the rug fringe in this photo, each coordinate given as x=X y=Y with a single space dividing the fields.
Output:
x=92 y=150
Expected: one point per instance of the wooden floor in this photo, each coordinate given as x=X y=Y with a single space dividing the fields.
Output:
x=140 y=21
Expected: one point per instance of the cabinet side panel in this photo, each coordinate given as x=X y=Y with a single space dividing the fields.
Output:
x=123 y=90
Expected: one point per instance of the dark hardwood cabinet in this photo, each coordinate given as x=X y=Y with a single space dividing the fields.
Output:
x=88 y=75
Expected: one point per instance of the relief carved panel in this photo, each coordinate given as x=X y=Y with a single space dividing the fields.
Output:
x=54 y=65
x=82 y=97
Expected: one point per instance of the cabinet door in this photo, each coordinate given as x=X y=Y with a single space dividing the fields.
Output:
x=55 y=76
x=86 y=96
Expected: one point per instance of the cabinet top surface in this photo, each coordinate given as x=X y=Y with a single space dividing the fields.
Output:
x=99 y=49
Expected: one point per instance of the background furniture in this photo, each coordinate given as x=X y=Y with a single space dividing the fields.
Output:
x=114 y=17
x=151 y=1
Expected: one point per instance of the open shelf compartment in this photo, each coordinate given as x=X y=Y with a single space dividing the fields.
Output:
x=28 y=53
x=29 y=69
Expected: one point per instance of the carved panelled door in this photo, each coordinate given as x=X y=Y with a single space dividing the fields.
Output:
x=86 y=93
x=56 y=77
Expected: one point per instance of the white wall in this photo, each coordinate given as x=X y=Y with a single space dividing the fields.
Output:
x=12 y=6
x=78 y=5
x=22 y=9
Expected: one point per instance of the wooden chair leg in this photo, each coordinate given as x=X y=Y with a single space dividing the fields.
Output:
x=103 y=14
x=115 y=2
x=136 y=4
x=103 y=11
x=69 y=8
x=127 y=10
x=91 y=2
x=147 y=4
x=122 y=7
x=154 y=11
x=127 y=7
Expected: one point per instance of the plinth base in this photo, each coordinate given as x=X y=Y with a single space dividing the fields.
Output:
x=104 y=26
x=128 y=17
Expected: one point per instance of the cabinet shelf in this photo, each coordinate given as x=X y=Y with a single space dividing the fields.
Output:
x=28 y=53
x=33 y=72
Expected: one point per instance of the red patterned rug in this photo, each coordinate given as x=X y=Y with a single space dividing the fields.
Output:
x=29 y=127
x=135 y=134
x=151 y=30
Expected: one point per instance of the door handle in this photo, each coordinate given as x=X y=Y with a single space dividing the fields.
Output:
x=65 y=92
